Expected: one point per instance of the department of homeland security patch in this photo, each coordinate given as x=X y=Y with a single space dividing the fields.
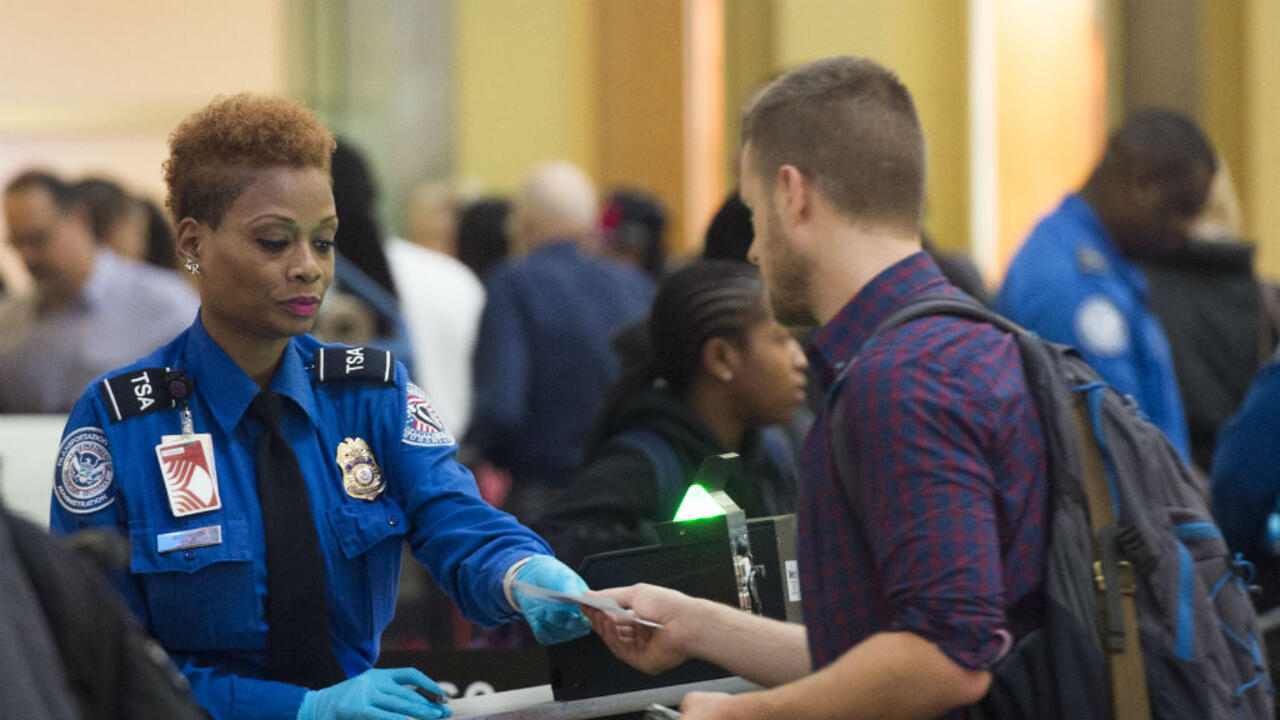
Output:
x=85 y=472
x=423 y=426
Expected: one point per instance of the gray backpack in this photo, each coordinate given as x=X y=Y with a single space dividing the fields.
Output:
x=1132 y=545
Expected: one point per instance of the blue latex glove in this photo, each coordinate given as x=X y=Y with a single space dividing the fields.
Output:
x=551 y=622
x=377 y=694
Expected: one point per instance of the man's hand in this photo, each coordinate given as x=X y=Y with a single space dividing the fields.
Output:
x=713 y=706
x=648 y=649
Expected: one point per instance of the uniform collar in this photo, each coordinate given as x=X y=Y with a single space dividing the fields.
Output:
x=228 y=391
x=835 y=343
x=1101 y=241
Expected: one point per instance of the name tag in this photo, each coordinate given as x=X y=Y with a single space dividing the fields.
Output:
x=187 y=539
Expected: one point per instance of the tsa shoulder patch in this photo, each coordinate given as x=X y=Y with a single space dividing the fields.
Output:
x=84 y=473
x=144 y=390
x=422 y=426
x=351 y=363
x=1101 y=328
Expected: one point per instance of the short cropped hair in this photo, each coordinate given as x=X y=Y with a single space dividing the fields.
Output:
x=57 y=188
x=1162 y=145
x=850 y=126
x=106 y=202
x=212 y=152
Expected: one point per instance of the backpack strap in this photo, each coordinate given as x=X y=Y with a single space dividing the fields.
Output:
x=667 y=471
x=1114 y=578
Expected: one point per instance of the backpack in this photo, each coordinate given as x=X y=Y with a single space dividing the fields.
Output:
x=1133 y=555
x=672 y=483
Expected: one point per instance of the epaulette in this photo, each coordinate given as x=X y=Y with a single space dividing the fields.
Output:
x=145 y=390
x=1091 y=262
x=352 y=363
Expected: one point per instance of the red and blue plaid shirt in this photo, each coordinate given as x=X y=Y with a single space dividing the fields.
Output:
x=950 y=458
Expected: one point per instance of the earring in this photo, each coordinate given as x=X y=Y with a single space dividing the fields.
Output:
x=192 y=266
x=727 y=375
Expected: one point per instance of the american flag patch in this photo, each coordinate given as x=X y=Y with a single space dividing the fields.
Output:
x=422 y=426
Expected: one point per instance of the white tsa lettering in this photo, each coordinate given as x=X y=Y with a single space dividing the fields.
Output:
x=355 y=360
x=142 y=390
x=82 y=482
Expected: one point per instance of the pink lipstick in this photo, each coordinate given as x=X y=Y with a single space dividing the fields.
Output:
x=303 y=305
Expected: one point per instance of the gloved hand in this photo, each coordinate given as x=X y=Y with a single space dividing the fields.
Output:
x=377 y=694
x=551 y=622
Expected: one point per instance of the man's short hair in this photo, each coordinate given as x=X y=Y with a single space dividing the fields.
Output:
x=850 y=126
x=1160 y=145
x=213 y=153
x=60 y=191
x=106 y=202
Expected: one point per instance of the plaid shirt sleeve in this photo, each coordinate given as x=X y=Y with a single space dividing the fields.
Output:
x=931 y=503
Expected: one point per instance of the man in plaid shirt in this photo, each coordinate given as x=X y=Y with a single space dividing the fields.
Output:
x=903 y=617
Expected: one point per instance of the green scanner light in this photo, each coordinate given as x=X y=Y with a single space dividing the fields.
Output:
x=697 y=504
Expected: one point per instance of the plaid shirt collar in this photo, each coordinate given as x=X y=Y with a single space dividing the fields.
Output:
x=833 y=344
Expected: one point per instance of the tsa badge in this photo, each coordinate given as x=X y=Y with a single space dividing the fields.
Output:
x=361 y=476
x=190 y=476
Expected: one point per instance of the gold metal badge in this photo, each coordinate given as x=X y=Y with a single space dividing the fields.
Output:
x=361 y=476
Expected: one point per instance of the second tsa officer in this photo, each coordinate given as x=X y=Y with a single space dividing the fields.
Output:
x=265 y=480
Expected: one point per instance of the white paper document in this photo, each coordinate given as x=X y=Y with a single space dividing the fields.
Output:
x=598 y=602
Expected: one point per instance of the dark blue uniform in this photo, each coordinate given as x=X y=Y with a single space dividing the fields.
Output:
x=1069 y=284
x=199 y=575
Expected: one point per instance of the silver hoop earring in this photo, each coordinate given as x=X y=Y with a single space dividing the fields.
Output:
x=192 y=266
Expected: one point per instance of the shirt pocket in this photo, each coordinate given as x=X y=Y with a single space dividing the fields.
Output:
x=199 y=599
x=369 y=535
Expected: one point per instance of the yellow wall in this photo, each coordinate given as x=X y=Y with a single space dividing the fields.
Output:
x=925 y=42
x=97 y=86
x=524 y=87
x=1262 y=118
x=1051 y=109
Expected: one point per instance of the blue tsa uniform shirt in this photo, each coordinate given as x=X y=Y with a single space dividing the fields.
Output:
x=378 y=466
x=1069 y=284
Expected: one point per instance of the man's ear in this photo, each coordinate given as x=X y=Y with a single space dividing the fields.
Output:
x=797 y=193
x=721 y=358
x=190 y=234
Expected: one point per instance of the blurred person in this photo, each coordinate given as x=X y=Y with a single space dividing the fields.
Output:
x=266 y=537
x=116 y=218
x=161 y=247
x=729 y=234
x=72 y=649
x=17 y=297
x=542 y=360
x=1073 y=280
x=364 y=290
x=721 y=370
x=93 y=307
x=433 y=211
x=1245 y=492
x=941 y=428
x=441 y=300
x=482 y=235
x=1220 y=319
x=632 y=228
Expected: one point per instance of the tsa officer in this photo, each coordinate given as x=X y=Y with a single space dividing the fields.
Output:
x=1072 y=281
x=266 y=481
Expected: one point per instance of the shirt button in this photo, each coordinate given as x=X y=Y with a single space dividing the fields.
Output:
x=189 y=554
x=394 y=521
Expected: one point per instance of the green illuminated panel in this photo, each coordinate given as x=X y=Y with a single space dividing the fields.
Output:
x=697 y=504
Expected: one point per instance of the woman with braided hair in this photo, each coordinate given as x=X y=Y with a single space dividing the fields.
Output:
x=720 y=370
